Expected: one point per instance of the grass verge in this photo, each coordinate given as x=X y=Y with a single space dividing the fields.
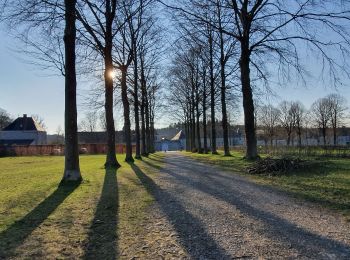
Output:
x=328 y=183
x=97 y=219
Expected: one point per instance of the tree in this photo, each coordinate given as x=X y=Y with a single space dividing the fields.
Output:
x=71 y=151
x=268 y=119
x=287 y=118
x=337 y=108
x=47 y=18
x=39 y=120
x=5 y=119
x=271 y=32
x=89 y=122
x=298 y=113
x=98 y=32
x=321 y=112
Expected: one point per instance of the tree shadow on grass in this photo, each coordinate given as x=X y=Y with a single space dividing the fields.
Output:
x=102 y=236
x=197 y=242
x=14 y=236
x=304 y=241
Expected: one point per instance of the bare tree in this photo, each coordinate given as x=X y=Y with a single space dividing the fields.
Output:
x=5 y=119
x=48 y=18
x=71 y=168
x=298 y=113
x=89 y=122
x=272 y=31
x=320 y=110
x=337 y=106
x=39 y=120
x=98 y=31
x=287 y=118
x=268 y=119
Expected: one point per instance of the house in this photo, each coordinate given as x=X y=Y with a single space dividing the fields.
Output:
x=23 y=131
x=178 y=142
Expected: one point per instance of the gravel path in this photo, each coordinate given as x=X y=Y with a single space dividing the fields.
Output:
x=216 y=215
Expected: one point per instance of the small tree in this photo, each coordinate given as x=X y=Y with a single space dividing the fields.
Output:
x=320 y=110
x=287 y=119
x=5 y=119
x=337 y=107
x=298 y=113
x=268 y=119
x=89 y=123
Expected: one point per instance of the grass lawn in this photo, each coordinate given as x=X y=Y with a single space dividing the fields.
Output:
x=99 y=218
x=327 y=184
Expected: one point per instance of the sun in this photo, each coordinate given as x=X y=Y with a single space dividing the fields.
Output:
x=112 y=74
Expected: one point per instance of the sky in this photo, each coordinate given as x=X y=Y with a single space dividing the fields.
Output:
x=27 y=90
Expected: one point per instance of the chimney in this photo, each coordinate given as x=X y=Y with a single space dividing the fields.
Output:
x=24 y=121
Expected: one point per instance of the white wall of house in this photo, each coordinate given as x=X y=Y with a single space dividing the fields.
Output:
x=40 y=138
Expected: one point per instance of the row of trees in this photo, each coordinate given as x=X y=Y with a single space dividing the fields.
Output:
x=235 y=45
x=325 y=113
x=90 y=37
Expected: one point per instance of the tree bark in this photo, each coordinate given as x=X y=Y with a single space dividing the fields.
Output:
x=126 y=106
x=71 y=163
x=204 y=105
x=212 y=94
x=144 y=150
x=223 y=98
x=147 y=115
x=136 y=105
x=111 y=159
x=248 y=104
x=198 y=128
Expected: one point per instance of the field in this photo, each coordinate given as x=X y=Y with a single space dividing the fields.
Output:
x=107 y=215
x=40 y=219
x=327 y=183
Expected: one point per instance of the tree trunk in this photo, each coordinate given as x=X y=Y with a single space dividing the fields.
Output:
x=136 y=105
x=223 y=103
x=148 y=132
x=71 y=163
x=335 y=123
x=223 y=85
x=212 y=95
x=248 y=104
x=299 y=136
x=127 y=124
x=152 y=130
x=204 y=105
x=324 y=135
x=193 y=124
x=187 y=133
x=144 y=150
x=198 y=128
x=111 y=160
x=143 y=127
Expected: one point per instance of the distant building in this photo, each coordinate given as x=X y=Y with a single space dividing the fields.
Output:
x=23 y=131
x=178 y=142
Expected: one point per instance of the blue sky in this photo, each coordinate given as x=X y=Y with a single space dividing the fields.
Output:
x=25 y=89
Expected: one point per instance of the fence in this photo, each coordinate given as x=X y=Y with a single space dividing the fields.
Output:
x=307 y=151
x=32 y=150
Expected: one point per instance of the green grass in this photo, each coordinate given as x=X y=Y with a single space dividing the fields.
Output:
x=98 y=218
x=327 y=183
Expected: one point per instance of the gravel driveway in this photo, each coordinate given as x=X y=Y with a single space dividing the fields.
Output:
x=218 y=215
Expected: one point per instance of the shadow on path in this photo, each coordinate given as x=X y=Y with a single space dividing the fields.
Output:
x=15 y=235
x=277 y=227
x=102 y=236
x=193 y=236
